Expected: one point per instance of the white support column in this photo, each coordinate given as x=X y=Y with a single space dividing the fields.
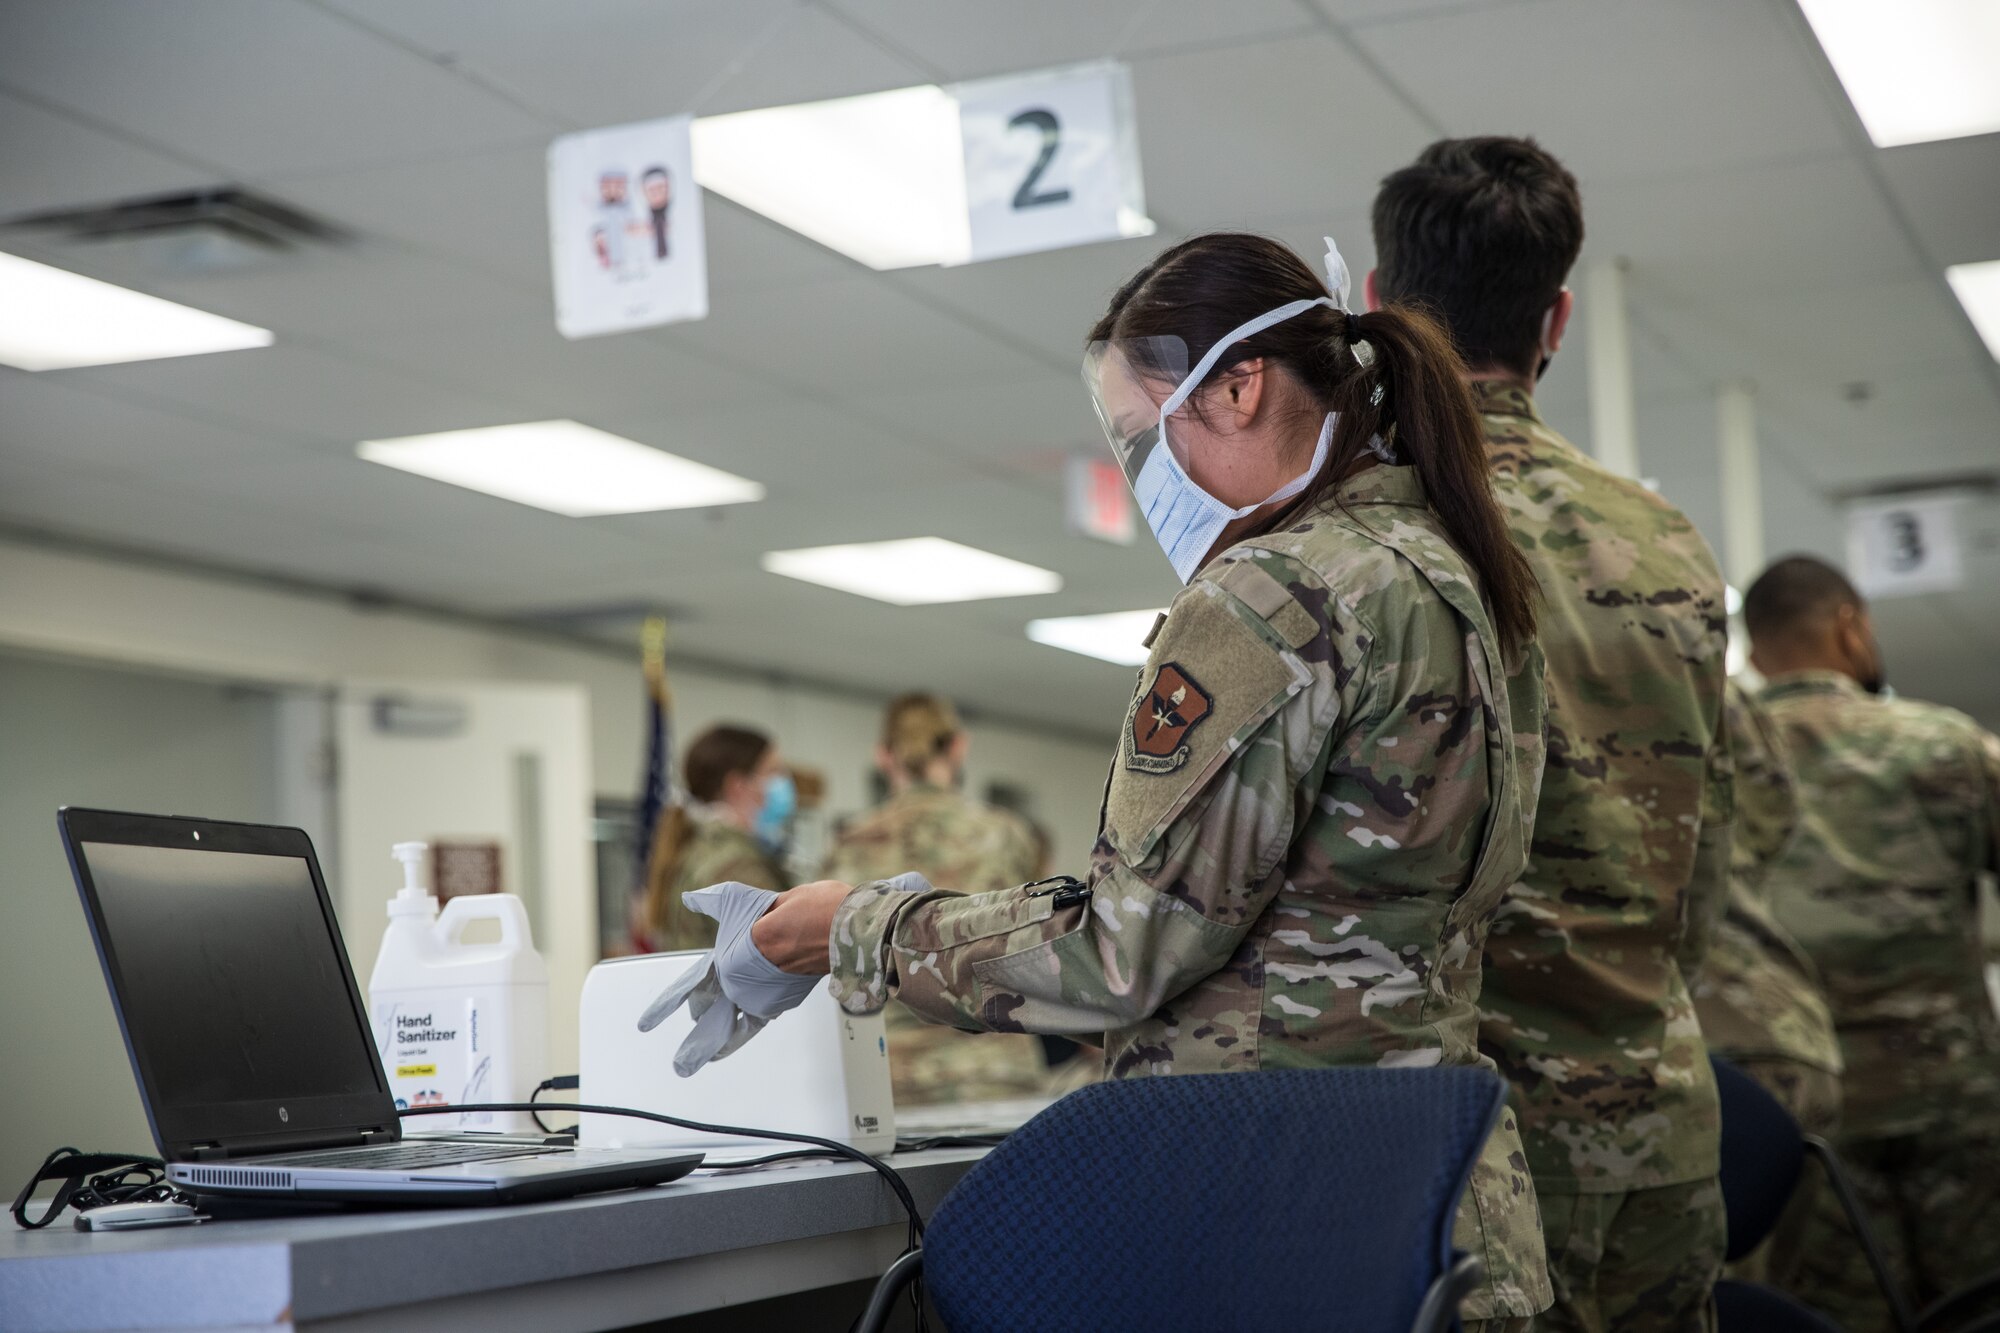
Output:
x=1614 y=432
x=1742 y=498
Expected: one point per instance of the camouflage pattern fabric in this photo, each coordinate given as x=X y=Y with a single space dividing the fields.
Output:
x=1758 y=995
x=1902 y=811
x=717 y=853
x=1813 y=1097
x=1643 y=1262
x=1586 y=1007
x=1933 y=1202
x=1321 y=793
x=953 y=842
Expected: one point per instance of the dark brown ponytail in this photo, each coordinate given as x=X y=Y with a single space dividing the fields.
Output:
x=1392 y=376
x=1409 y=389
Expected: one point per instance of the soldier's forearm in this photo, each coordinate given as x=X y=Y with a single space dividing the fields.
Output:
x=1061 y=959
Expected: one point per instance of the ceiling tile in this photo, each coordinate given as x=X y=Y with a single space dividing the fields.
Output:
x=957 y=39
x=251 y=86
x=608 y=62
x=1282 y=129
x=51 y=161
x=1951 y=193
x=1619 y=89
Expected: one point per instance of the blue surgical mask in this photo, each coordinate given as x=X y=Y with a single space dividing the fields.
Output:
x=1186 y=520
x=773 y=824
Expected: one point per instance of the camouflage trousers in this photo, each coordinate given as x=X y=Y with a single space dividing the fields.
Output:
x=1934 y=1206
x=1813 y=1097
x=1640 y=1262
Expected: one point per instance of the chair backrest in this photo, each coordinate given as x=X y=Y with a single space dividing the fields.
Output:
x=1296 y=1198
x=1763 y=1151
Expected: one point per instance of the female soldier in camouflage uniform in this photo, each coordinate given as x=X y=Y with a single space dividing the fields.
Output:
x=735 y=779
x=1325 y=780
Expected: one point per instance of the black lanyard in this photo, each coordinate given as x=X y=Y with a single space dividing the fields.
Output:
x=90 y=1179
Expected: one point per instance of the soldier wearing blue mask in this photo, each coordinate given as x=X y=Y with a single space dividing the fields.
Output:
x=731 y=826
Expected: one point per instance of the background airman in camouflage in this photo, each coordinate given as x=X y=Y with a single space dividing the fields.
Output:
x=1586 y=1006
x=705 y=838
x=926 y=826
x=1759 y=998
x=1900 y=805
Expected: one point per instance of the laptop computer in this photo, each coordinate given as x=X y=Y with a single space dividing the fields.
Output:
x=253 y=1053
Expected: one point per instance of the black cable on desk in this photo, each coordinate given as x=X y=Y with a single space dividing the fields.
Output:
x=833 y=1146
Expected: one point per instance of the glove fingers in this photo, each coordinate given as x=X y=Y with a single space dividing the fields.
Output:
x=734 y=905
x=712 y=1033
x=672 y=997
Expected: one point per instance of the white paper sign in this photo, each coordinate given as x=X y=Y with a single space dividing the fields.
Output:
x=1899 y=547
x=625 y=229
x=1051 y=160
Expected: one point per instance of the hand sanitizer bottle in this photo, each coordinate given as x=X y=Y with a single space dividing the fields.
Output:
x=458 y=1022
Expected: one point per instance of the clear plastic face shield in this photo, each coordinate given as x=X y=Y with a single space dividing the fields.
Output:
x=1137 y=385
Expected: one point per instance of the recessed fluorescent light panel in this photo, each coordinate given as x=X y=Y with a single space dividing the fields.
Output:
x=1916 y=70
x=52 y=319
x=916 y=571
x=563 y=466
x=1117 y=636
x=880 y=178
x=1977 y=287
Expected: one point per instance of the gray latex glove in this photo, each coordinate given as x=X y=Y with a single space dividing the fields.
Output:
x=735 y=990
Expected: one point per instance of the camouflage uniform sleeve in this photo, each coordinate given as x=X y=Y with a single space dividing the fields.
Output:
x=1223 y=742
x=1989 y=771
x=1707 y=894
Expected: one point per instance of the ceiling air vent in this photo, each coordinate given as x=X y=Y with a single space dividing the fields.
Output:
x=213 y=230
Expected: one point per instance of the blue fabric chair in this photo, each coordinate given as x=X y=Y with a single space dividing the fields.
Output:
x=1206 y=1202
x=1763 y=1157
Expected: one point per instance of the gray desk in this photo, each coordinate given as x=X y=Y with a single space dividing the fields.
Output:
x=593 y=1263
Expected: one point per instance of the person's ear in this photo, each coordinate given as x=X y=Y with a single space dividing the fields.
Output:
x=884 y=760
x=1558 y=321
x=1243 y=391
x=960 y=747
x=1370 y=300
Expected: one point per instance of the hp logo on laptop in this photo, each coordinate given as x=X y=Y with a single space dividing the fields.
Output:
x=284 y=1115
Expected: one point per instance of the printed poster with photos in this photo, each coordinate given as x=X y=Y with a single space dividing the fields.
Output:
x=625 y=228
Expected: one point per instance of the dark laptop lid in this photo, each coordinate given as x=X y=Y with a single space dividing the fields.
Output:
x=230 y=981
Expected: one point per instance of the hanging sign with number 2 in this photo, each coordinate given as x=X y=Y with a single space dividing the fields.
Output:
x=1051 y=160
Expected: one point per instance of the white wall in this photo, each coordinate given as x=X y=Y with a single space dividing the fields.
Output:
x=93 y=607
x=123 y=699
x=129 y=740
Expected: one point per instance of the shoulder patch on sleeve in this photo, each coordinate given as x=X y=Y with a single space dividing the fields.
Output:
x=1214 y=679
x=1250 y=583
x=1174 y=706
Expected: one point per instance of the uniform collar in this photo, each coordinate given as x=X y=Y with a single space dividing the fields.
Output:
x=1813 y=682
x=1382 y=484
x=1505 y=398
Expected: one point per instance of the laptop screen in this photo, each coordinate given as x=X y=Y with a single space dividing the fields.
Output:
x=232 y=985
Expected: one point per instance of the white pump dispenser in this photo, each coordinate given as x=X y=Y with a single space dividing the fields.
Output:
x=413 y=899
x=457 y=1021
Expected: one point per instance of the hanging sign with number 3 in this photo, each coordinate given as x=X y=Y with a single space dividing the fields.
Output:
x=1051 y=160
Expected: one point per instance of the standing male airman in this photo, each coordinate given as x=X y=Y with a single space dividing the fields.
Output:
x=1901 y=805
x=1586 y=1007
x=1759 y=997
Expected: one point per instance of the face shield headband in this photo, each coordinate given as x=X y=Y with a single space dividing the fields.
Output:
x=1185 y=519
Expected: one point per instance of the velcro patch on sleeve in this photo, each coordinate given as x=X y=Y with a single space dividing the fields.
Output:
x=1249 y=582
x=1214 y=678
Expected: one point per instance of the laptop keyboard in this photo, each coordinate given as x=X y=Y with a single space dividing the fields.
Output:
x=403 y=1156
